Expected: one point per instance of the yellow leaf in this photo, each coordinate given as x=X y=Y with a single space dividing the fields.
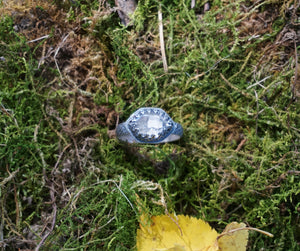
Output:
x=177 y=233
x=234 y=237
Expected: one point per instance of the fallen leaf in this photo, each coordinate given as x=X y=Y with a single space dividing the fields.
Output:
x=234 y=237
x=176 y=233
x=185 y=233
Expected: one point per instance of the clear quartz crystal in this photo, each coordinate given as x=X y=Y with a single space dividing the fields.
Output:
x=150 y=125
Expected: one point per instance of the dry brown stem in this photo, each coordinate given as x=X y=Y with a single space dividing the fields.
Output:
x=161 y=39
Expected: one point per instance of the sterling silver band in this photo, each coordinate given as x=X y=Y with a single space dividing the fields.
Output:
x=149 y=125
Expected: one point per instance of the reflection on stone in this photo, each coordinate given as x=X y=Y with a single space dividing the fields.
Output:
x=150 y=125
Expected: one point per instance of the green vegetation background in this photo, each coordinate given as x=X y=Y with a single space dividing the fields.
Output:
x=77 y=188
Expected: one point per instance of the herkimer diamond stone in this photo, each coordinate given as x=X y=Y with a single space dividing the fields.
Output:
x=150 y=125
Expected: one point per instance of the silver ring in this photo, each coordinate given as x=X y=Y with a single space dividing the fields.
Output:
x=149 y=125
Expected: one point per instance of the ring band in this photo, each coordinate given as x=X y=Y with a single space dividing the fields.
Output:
x=149 y=125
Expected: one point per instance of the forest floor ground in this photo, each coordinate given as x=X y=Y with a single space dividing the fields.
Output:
x=70 y=72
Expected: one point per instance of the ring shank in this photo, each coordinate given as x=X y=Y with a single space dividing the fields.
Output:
x=123 y=134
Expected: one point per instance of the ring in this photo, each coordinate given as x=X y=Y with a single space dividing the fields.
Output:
x=149 y=125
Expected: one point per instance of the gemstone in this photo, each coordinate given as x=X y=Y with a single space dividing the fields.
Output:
x=150 y=124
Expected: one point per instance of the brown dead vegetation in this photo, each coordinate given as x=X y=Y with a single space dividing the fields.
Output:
x=85 y=67
x=83 y=63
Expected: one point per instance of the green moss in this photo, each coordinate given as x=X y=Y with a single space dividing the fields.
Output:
x=238 y=159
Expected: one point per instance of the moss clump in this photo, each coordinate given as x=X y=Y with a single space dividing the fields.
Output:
x=231 y=82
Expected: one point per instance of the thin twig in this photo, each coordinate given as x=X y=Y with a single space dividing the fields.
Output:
x=124 y=195
x=245 y=228
x=193 y=3
x=240 y=145
x=161 y=38
x=9 y=178
x=257 y=113
x=38 y=39
x=258 y=83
